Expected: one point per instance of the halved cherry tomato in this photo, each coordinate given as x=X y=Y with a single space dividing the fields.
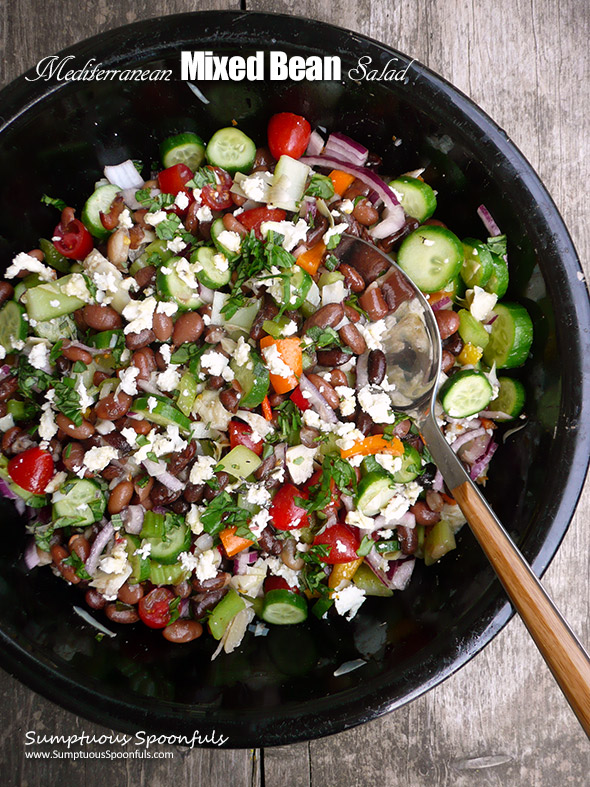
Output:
x=335 y=501
x=284 y=513
x=278 y=583
x=32 y=470
x=73 y=240
x=299 y=399
x=218 y=196
x=154 y=609
x=241 y=434
x=288 y=135
x=173 y=179
x=252 y=219
x=343 y=544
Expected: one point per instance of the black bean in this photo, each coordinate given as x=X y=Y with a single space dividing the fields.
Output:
x=377 y=366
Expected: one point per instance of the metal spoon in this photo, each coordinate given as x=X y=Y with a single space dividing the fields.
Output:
x=413 y=366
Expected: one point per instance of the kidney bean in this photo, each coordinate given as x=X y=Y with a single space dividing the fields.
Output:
x=222 y=481
x=180 y=506
x=73 y=457
x=110 y=219
x=140 y=426
x=215 y=382
x=206 y=601
x=364 y=423
x=365 y=213
x=369 y=263
x=191 y=221
x=8 y=388
x=373 y=302
x=6 y=291
x=3 y=409
x=162 y=326
x=130 y=594
x=110 y=472
x=309 y=437
x=127 y=615
x=139 y=217
x=332 y=357
x=187 y=328
x=180 y=459
x=352 y=278
x=357 y=188
x=263 y=159
x=434 y=500
x=232 y=224
x=136 y=236
x=145 y=276
x=314 y=235
x=136 y=341
x=143 y=492
x=183 y=589
x=230 y=399
x=94 y=599
x=408 y=539
x=59 y=554
x=73 y=353
x=376 y=367
x=120 y=497
x=325 y=389
x=9 y=438
x=63 y=366
x=82 y=432
x=267 y=311
x=447 y=361
x=447 y=321
x=182 y=631
x=80 y=321
x=220 y=580
x=402 y=428
x=161 y=495
x=338 y=377
x=145 y=361
x=387 y=244
x=118 y=247
x=193 y=492
x=80 y=546
x=289 y=558
x=268 y=542
x=113 y=406
x=423 y=514
x=101 y=318
x=454 y=344
x=326 y=317
x=352 y=337
x=238 y=200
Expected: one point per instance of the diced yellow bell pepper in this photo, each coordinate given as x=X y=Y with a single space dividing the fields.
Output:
x=342 y=572
x=469 y=355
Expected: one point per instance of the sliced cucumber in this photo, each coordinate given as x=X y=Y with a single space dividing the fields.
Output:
x=254 y=382
x=185 y=148
x=140 y=566
x=32 y=280
x=172 y=288
x=499 y=280
x=416 y=197
x=511 y=397
x=375 y=490
x=466 y=393
x=299 y=282
x=62 y=327
x=13 y=328
x=284 y=608
x=172 y=574
x=97 y=203
x=471 y=330
x=155 y=253
x=80 y=500
x=164 y=413
x=329 y=277
x=288 y=185
x=477 y=266
x=431 y=256
x=168 y=546
x=240 y=462
x=187 y=393
x=366 y=580
x=411 y=465
x=511 y=337
x=48 y=301
x=230 y=149
x=210 y=275
x=216 y=229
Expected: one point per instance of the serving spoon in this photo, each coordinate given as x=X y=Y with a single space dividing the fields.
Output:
x=413 y=351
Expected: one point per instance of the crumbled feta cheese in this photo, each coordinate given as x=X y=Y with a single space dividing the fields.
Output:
x=214 y=363
x=181 y=200
x=300 y=463
x=56 y=482
x=231 y=240
x=24 y=262
x=193 y=519
x=204 y=213
x=7 y=422
x=112 y=572
x=482 y=304
x=128 y=379
x=372 y=333
x=211 y=411
x=39 y=355
x=258 y=495
x=168 y=380
x=188 y=561
x=275 y=363
x=85 y=399
x=257 y=186
x=125 y=220
x=290 y=328
x=359 y=520
x=390 y=463
x=152 y=403
x=155 y=218
x=176 y=245
x=277 y=568
x=140 y=315
x=259 y=521
x=346 y=206
x=385 y=534
x=76 y=287
x=377 y=404
x=54 y=304
x=47 y=426
x=144 y=551
x=96 y=459
x=347 y=399
x=293 y=233
x=337 y=229
x=221 y=262
x=202 y=469
x=242 y=352
x=104 y=427
x=206 y=567
x=348 y=601
x=130 y=435
x=336 y=292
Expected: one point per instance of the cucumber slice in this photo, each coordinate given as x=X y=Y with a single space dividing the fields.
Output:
x=284 y=608
x=411 y=465
x=329 y=277
x=210 y=275
x=416 y=197
x=172 y=574
x=187 y=393
x=140 y=566
x=498 y=281
x=81 y=500
x=511 y=337
x=230 y=149
x=164 y=413
x=185 y=148
x=48 y=301
x=431 y=256
x=97 y=203
x=224 y=612
x=511 y=397
x=254 y=382
x=62 y=327
x=241 y=462
x=288 y=184
x=299 y=286
x=32 y=280
x=477 y=266
x=366 y=580
x=375 y=490
x=466 y=393
x=13 y=327
x=471 y=330
x=172 y=288
x=216 y=229
x=167 y=547
x=155 y=253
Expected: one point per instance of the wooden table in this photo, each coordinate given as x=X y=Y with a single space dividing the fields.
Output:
x=501 y=720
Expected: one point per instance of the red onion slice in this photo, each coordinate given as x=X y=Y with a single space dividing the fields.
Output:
x=488 y=221
x=6 y=491
x=400 y=573
x=317 y=401
x=158 y=470
x=495 y=415
x=438 y=483
x=100 y=542
x=341 y=146
x=243 y=560
x=132 y=517
x=441 y=304
x=316 y=144
x=483 y=461
x=367 y=176
x=467 y=437
x=31 y=556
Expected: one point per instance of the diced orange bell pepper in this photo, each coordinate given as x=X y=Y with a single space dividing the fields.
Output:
x=342 y=572
x=266 y=409
x=311 y=259
x=341 y=181
x=448 y=499
x=374 y=444
x=290 y=352
x=232 y=543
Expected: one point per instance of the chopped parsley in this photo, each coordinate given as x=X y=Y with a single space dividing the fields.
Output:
x=77 y=564
x=320 y=186
x=53 y=202
x=223 y=512
x=67 y=400
x=288 y=426
x=497 y=245
x=313 y=574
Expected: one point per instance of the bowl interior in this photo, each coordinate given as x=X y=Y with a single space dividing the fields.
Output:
x=281 y=687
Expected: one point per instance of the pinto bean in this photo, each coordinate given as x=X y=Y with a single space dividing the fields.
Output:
x=94 y=599
x=110 y=219
x=80 y=321
x=263 y=158
x=139 y=217
x=130 y=594
x=215 y=382
x=9 y=438
x=113 y=406
x=376 y=367
x=357 y=188
x=145 y=276
x=101 y=318
x=267 y=311
x=454 y=344
x=187 y=328
x=364 y=423
x=326 y=317
x=183 y=589
x=332 y=357
x=206 y=601
x=338 y=377
x=6 y=291
x=230 y=399
x=352 y=337
x=447 y=361
x=220 y=580
x=127 y=615
x=82 y=432
x=8 y=388
x=447 y=321
x=269 y=543
x=73 y=457
x=161 y=495
x=325 y=389
x=180 y=506
x=180 y=459
x=162 y=326
x=238 y=200
x=193 y=492
x=191 y=221
x=80 y=546
x=423 y=514
x=222 y=481
x=73 y=353
x=314 y=235
x=145 y=361
x=136 y=235
x=369 y=263
x=182 y=631
x=59 y=554
x=365 y=213
x=402 y=428
x=309 y=437
x=352 y=278
x=232 y=224
x=135 y=341
x=118 y=247
x=120 y=497
x=408 y=539
x=373 y=302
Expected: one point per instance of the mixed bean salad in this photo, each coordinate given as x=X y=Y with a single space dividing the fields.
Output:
x=194 y=402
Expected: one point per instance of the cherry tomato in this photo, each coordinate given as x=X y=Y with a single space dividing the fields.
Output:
x=299 y=399
x=154 y=609
x=32 y=470
x=218 y=196
x=284 y=513
x=241 y=434
x=288 y=135
x=343 y=544
x=73 y=240
x=335 y=502
x=278 y=583
x=172 y=180
x=252 y=219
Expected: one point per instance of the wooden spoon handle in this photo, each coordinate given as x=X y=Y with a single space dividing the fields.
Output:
x=565 y=656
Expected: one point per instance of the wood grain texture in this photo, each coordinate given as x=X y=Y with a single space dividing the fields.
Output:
x=501 y=720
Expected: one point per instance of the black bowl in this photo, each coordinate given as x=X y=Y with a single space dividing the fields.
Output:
x=275 y=690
